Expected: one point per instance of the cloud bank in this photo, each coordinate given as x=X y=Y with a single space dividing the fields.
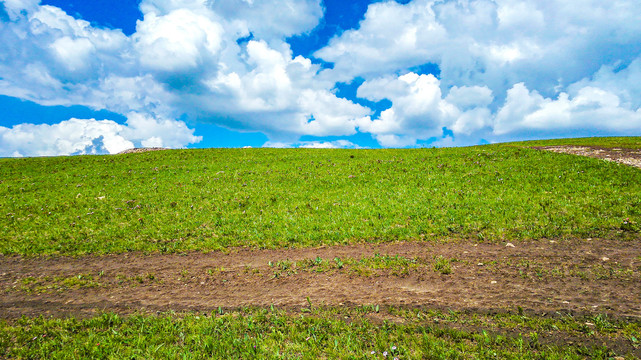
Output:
x=507 y=69
x=91 y=136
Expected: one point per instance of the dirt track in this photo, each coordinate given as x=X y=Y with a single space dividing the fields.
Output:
x=630 y=157
x=577 y=276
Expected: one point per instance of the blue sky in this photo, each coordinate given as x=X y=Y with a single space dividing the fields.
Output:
x=82 y=77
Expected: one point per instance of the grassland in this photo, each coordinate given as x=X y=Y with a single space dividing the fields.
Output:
x=630 y=142
x=178 y=201
x=214 y=199
x=320 y=333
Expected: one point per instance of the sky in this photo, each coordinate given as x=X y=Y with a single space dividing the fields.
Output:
x=99 y=77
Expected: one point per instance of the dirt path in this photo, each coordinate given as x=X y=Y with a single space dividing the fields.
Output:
x=630 y=157
x=579 y=276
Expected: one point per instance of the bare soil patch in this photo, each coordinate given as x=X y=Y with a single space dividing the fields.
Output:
x=630 y=157
x=571 y=276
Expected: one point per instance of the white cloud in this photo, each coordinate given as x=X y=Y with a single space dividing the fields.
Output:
x=184 y=59
x=419 y=111
x=158 y=131
x=73 y=53
x=577 y=57
x=90 y=136
x=336 y=144
x=625 y=82
x=591 y=108
x=506 y=67
x=490 y=43
x=179 y=41
x=16 y=7
x=74 y=136
x=270 y=20
x=392 y=36
x=280 y=96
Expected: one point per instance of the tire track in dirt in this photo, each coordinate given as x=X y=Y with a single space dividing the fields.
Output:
x=576 y=276
x=631 y=157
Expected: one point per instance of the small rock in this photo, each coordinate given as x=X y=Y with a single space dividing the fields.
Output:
x=565 y=302
x=552 y=242
x=589 y=324
x=492 y=282
x=509 y=245
x=605 y=258
x=479 y=264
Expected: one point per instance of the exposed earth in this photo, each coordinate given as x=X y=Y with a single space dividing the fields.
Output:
x=630 y=157
x=575 y=276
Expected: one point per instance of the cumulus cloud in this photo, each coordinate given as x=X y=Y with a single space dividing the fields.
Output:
x=266 y=19
x=336 y=144
x=281 y=96
x=505 y=68
x=74 y=136
x=490 y=43
x=176 y=42
x=90 y=136
x=185 y=59
x=420 y=111
x=591 y=108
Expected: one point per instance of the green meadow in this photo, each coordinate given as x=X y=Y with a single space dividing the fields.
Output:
x=629 y=142
x=217 y=199
x=213 y=199
x=319 y=334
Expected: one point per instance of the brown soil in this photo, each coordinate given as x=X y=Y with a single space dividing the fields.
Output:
x=630 y=157
x=544 y=277
x=576 y=276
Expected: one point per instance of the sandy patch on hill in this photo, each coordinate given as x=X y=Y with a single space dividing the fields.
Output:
x=630 y=157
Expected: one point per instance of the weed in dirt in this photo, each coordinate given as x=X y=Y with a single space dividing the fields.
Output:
x=442 y=265
x=45 y=284
x=395 y=265
x=135 y=280
x=174 y=201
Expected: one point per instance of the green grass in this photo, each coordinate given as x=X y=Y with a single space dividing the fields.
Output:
x=632 y=142
x=378 y=264
x=47 y=283
x=328 y=333
x=212 y=199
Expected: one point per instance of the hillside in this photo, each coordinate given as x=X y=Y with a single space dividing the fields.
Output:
x=212 y=199
x=506 y=251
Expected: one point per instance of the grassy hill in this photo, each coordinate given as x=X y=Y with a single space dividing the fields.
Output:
x=543 y=299
x=625 y=142
x=211 y=199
